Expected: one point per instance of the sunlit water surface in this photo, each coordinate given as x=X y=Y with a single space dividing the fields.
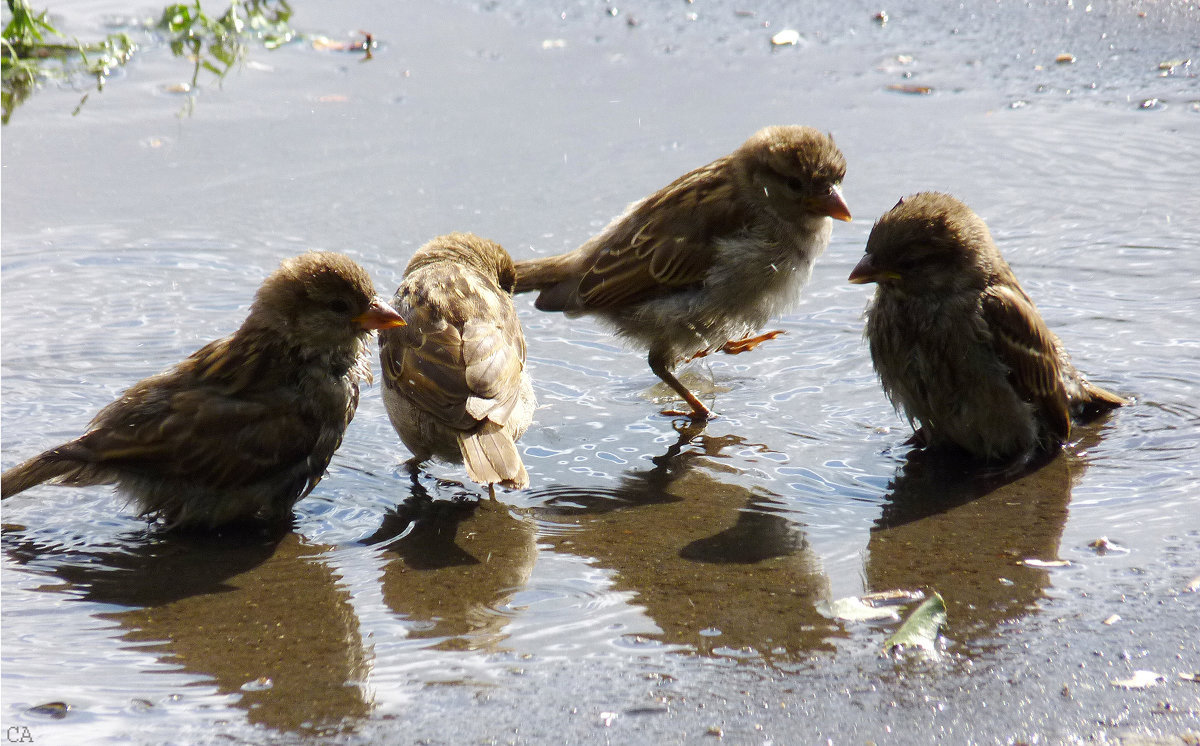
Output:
x=657 y=582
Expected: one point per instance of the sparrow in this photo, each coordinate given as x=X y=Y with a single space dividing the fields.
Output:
x=711 y=257
x=454 y=379
x=245 y=426
x=958 y=344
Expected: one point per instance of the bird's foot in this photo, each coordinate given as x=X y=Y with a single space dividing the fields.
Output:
x=738 y=346
x=745 y=344
x=696 y=416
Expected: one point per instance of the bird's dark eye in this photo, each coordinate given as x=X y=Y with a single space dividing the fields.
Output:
x=337 y=305
x=796 y=185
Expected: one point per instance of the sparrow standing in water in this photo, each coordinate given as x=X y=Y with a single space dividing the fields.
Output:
x=958 y=345
x=454 y=379
x=246 y=426
x=708 y=259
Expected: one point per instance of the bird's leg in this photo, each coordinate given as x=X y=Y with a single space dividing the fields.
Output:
x=413 y=465
x=738 y=346
x=660 y=364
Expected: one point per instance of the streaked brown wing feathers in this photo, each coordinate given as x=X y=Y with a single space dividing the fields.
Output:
x=201 y=434
x=1026 y=345
x=459 y=376
x=666 y=242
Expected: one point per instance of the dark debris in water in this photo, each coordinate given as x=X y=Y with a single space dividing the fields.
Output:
x=56 y=710
x=1104 y=545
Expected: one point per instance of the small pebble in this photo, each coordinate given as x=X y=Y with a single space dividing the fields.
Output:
x=261 y=684
x=785 y=38
x=1140 y=680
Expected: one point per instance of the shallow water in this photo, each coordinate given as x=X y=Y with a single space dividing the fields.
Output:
x=656 y=583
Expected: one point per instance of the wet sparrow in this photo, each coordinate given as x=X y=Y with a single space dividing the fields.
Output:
x=244 y=427
x=454 y=379
x=957 y=343
x=708 y=259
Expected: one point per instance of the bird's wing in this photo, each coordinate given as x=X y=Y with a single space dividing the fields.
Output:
x=424 y=362
x=221 y=431
x=494 y=357
x=664 y=243
x=1026 y=345
x=461 y=365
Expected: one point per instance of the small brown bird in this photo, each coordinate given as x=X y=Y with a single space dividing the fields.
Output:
x=957 y=343
x=454 y=380
x=244 y=427
x=708 y=259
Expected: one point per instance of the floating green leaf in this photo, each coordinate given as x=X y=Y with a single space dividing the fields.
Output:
x=921 y=628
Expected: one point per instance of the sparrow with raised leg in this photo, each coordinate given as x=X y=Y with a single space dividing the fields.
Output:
x=246 y=426
x=707 y=260
x=454 y=379
x=958 y=345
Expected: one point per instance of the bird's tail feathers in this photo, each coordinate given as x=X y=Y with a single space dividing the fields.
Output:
x=491 y=457
x=539 y=274
x=1096 y=401
x=53 y=466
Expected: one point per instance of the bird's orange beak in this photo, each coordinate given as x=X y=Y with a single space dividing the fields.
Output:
x=379 y=315
x=866 y=271
x=834 y=205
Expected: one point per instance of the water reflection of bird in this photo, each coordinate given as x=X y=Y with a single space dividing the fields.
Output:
x=750 y=588
x=643 y=487
x=709 y=258
x=236 y=609
x=246 y=426
x=762 y=532
x=959 y=345
x=948 y=528
x=451 y=564
x=454 y=379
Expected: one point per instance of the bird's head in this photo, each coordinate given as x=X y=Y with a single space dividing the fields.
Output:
x=321 y=301
x=797 y=170
x=928 y=243
x=466 y=249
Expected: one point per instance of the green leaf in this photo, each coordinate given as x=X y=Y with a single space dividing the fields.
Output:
x=921 y=628
x=25 y=27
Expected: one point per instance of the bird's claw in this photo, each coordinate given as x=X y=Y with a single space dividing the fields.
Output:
x=696 y=417
x=745 y=344
x=738 y=346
